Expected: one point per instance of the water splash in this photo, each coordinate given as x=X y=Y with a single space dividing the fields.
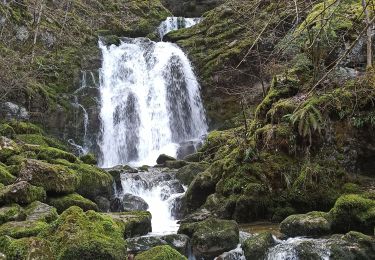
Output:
x=150 y=102
x=175 y=23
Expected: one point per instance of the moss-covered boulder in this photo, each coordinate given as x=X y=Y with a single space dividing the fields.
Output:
x=211 y=237
x=311 y=224
x=89 y=159
x=86 y=235
x=38 y=211
x=26 y=248
x=6 y=177
x=19 y=229
x=161 y=253
x=13 y=212
x=144 y=243
x=257 y=246
x=164 y=158
x=353 y=212
x=177 y=164
x=21 y=127
x=53 y=178
x=134 y=223
x=49 y=154
x=7 y=148
x=22 y=193
x=187 y=173
x=64 y=202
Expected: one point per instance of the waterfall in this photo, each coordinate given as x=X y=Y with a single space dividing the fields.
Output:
x=150 y=102
x=175 y=23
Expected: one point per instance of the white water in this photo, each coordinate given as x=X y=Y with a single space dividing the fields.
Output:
x=150 y=102
x=175 y=23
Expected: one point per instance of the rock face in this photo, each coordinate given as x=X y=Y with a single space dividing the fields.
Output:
x=188 y=8
x=256 y=247
x=211 y=237
x=311 y=224
x=131 y=202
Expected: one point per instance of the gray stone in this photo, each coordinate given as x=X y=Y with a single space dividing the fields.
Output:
x=22 y=33
x=132 y=202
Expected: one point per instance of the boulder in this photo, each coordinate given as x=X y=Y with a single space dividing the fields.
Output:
x=163 y=158
x=64 y=202
x=13 y=212
x=160 y=252
x=50 y=153
x=211 y=237
x=176 y=164
x=180 y=242
x=38 y=211
x=171 y=187
x=131 y=202
x=6 y=177
x=311 y=224
x=86 y=235
x=116 y=205
x=187 y=173
x=177 y=207
x=22 y=193
x=53 y=178
x=104 y=205
x=256 y=247
x=7 y=148
x=141 y=244
x=26 y=248
x=134 y=223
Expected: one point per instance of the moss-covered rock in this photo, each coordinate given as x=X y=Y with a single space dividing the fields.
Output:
x=134 y=223
x=42 y=140
x=13 y=212
x=20 y=127
x=19 y=229
x=7 y=148
x=311 y=224
x=26 y=248
x=176 y=164
x=211 y=237
x=22 y=193
x=64 y=202
x=6 y=177
x=86 y=235
x=38 y=211
x=89 y=159
x=50 y=154
x=257 y=246
x=7 y=131
x=164 y=158
x=353 y=212
x=159 y=253
x=53 y=178
x=187 y=173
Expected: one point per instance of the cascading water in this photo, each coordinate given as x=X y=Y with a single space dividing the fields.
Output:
x=150 y=102
x=175 y=23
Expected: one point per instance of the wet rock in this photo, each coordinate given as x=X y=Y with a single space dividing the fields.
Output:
x=195 y=157
x=307 y=250
x=177 y=207
x=116 y=205
x=197 y=216
x=175 y=164
x=171 y=187
x=234 y=254
x=164 y=252
x=134 y=223
x=179 y=242
x=187 y=148
x=211 y=237
x=311 y=224
x=187 y=173
x=256 y=247
x=131 y=202
x=103 y=203
x=140 y=244
x=163 y=158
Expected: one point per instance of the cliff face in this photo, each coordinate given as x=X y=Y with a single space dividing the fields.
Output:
x=47 y=46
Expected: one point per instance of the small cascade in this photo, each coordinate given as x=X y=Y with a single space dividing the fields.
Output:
x=150 y=102
x=175 y=23
x=295 y=248
x=161 y=191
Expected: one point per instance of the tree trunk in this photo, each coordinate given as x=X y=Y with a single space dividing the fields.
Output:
x=369 y=34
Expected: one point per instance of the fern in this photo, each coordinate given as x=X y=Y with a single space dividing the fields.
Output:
x=308 y=121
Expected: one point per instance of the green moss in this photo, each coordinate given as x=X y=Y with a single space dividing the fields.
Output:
x=13 y=212
x=134 y=223
x=25 y=128
x=26 y=248
x=256 y=247
x=351 y=188
x=160 y=253
x=19 y=229
x=79 y=235
x=50 y=154
x=38 y=211
x=42 y=140
x=7 y=131
x=353 y=212
x=89 y=159
x=74 y=199
x=5 y=177
x=8 y=148
x=21 y=193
